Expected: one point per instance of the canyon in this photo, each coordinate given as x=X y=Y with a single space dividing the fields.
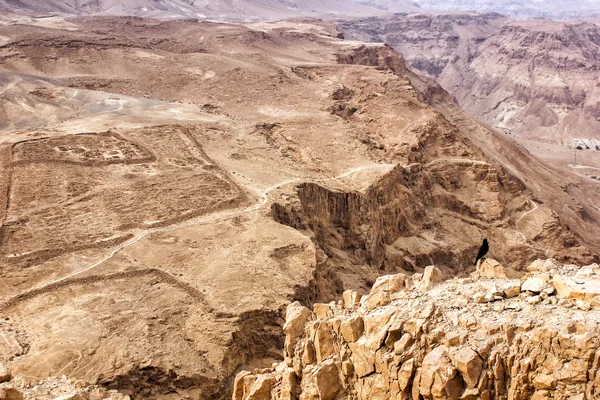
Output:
x=170 y=186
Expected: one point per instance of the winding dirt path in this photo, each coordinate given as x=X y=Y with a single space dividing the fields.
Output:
x=535 y=207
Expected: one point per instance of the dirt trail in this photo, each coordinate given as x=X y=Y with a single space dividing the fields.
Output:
x=535 y=207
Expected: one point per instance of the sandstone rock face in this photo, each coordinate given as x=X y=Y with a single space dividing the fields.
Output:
x=426 y=345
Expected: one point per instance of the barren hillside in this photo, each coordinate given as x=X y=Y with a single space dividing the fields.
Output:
x=168 y=187
x=535 y=80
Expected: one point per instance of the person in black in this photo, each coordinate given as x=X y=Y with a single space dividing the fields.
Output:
x=482 y=251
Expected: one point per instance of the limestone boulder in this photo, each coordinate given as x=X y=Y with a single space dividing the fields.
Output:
x=511 y=288
x=324 y=341
x=327 y=380
x=5 y=375
x=439 y=379
x=382 y=290
x=431 y=276
x=295 y=318
x=576 y=288
x=469 y=364
x=352 y=328
x=534 y=285
x=351 y=298
x=490 y=268
x=8 y=392
x=261 y=388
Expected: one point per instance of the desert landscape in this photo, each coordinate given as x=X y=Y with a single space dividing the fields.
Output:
x=173 y=175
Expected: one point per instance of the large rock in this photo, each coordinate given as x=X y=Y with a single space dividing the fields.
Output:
x=324 y=341
x=575 y=288
x=4 y=373
x=534 y=285
x=439 y=379
x=383 y=288
x=431 y=276
x=490 y=268
x=261 y=388
x=352 y=328
x=9 y=392
x=295 y=317
x=469 y=363
x=327 y=380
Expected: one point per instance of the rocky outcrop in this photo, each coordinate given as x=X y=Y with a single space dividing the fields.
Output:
x=444 y=341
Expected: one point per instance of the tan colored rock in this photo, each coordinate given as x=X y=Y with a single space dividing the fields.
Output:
x=5 y=375
x=439 y=379
x=321 y=310
x=588 y=271
x=362 y=357
x=324 y=341
x=376 y=326
x=431 y=276
x=453 y=338
x=490 y=268
x=352 y=328
x=383 y=288
x=327 y=380
x=542 y=265
x=295 y=318
x=544 y=381
x=289 y=385
x=403 y=344
x=511 y=288
x=469 y=364
x=582 y=289
x=238 y=385
x=261 y=388
x=351 y=298
x=9 y=392
x=534 y=285
x=405 y=374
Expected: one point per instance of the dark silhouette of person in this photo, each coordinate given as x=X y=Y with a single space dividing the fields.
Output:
x=482 y=251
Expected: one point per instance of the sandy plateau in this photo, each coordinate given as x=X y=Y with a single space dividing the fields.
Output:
x=167 y=188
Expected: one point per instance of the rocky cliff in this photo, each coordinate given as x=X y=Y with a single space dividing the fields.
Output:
x=420 y=337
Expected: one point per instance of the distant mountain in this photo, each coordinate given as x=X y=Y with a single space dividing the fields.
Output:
x=219 y=9
x=553 y=9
